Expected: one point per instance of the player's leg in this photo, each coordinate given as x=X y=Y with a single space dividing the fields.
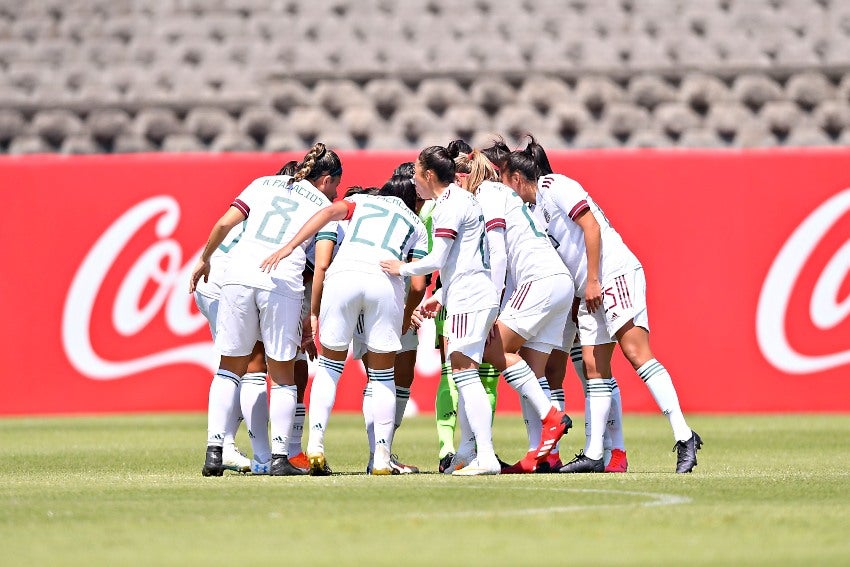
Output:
x=254 y=403
x=445 y=402
x=296 y=436
x=405 y=369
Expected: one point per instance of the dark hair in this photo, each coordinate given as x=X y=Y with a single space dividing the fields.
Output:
x=458 y=147
x=319 y=161
x=531 y=162
x=438 y=160
x=405 y=169
x=497 y=153
x=402 y=187
x=354 y=190
x=289 y=168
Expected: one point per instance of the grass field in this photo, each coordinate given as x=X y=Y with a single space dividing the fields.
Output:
x=769 y=490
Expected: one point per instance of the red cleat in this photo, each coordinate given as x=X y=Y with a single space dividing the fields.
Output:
x=618 y=462
x=555 y=425
x=527 y=465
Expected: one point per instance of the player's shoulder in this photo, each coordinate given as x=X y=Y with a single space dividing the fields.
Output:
x=559 y=181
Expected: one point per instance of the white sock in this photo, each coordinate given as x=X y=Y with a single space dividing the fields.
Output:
x=282 y=413
x=578 y=364
x=297 y=432
x=234 y=417
x=473 y=399
x=322 y=397
x=368 y=417
x=599 y=397
x=383 y=404
x=544 y=385
x=222 y=398
x=402 y=396
x=533 y=426
x=253 y=397
x=520 y=377
x=558 y=399
x=660 y=385
x=614 y=430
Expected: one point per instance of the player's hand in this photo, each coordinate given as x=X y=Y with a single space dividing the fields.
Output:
x=201 y=270
x=391 y=267
x=593 y=295
x=416 y=319
x=272 y=261
x=430 y=307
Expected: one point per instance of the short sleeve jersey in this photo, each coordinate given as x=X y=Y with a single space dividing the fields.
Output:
x=274 y=213
x=379 y=228
x=466 y=272
x=531 y=255
x=219 y=262
x=559 y=202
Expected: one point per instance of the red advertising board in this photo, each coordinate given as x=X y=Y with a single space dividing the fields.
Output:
x=747 y=258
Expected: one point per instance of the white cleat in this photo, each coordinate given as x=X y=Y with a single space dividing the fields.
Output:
x=258 y=468
x=480 y=467
x=401 y=468
x=462 y=458
x=381 y=465
x=235 y=460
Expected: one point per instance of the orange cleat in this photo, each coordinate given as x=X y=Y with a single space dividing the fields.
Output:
x=300 y=461
x=528 y=464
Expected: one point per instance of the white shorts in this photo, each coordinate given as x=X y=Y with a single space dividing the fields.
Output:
x=624 y=300
x=409 y=340
x=208 y=308
x=378 y=297
x=247 y=315
x=467 y=332
x=538 y=311
x=358 y=342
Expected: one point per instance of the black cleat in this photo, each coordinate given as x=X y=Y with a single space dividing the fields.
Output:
x=446 y=462
x=502 y=463
x=686 y=458
x=584 y=464
x=212 y=463
x=282 y=467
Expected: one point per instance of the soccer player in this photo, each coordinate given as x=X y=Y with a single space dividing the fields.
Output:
x=380 y=226
x=265 y=306
x=611 y=283
x=534 y=314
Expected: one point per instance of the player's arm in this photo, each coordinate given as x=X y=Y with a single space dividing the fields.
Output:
x=324 y=253
x=225 y=224
x=430 y=263
x=498 y=256
x=335 y=212
x=593 y=247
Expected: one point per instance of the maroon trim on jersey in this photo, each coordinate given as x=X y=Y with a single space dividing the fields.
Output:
x=495 y=223
x=623 y=291
x=445 y=233
x=547 y=181
x=580 y=207
x=350 y=205
x=459 y=324
x=243 y=208
x=519 y=295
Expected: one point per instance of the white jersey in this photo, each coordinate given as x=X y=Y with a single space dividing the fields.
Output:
x=274 y=214
x=218 y=264
x=379 y=228
x=530 y=255
x=559 y=201
x=466 y=272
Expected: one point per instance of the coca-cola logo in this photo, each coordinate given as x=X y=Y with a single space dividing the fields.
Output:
x=826 y=308
x=161 y=263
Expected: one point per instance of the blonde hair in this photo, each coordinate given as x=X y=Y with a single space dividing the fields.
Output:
x=478 y=169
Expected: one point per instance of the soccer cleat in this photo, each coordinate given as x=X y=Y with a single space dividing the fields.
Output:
x=502 y=463
x=445 y=462
x=380 y=462
x=318 y=465
x=480 y=467
x=526 y=465
x=212 y=463
x=234 y=460
x=259 y=467
x=401 y=468
x=555 y=425
x=300 y=461
x=618 y=462
x=281 y=466
x=583 y=464
x=552 y=464
x=686 y=458
x=460 y=459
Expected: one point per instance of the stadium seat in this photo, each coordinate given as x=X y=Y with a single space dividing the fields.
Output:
x=233 y=141
x=182 y=143
x=675 y=118
x=106 y=124
x=56 y=125
x=808 y=89
x=543 y=92
x=624 y=119
x=755 y=89
x=648 y=91
x=156 y=124
x=207 y=123
x=29 y=144
x=79 y=144
x=808 y=135
x=12 y=123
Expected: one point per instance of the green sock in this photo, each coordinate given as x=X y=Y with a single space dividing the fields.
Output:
x=445 y=407
x=490 y=378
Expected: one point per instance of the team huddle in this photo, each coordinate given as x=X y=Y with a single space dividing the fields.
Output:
x=526 y=273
